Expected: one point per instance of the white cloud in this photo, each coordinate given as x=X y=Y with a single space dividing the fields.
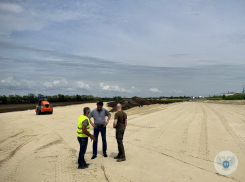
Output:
x=10 y=7
x=81 y=84
x=156 y=90
x=56 y=83
x=62 y=85
x=176 y=91
x=10 y=81
x=70 y=89
x=15 y=18
x=48 y=84
x=66 y=85
x=69 y=86
x=32 y=17
x=116 y=88
x=17 y=83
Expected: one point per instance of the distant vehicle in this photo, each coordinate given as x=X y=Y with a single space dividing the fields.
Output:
x=43 y=106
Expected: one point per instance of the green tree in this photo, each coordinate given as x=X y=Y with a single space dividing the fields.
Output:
x=3 y=99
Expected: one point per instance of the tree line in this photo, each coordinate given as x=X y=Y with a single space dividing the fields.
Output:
x=32 y=98
x=230 y=97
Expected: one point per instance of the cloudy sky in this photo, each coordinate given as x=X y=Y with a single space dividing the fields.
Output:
x=126 y=48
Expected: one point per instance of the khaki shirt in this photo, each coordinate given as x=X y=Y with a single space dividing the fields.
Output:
x=121 y=117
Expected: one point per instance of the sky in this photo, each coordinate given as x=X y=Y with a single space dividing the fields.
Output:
x=122 y=48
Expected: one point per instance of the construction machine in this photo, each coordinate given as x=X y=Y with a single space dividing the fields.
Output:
x=43 y=105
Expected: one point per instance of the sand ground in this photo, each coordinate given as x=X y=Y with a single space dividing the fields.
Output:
x=176 y=142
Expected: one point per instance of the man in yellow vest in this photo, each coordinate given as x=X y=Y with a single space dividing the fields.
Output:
x=83 y=128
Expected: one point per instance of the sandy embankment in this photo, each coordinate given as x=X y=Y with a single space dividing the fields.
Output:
x=175 y=142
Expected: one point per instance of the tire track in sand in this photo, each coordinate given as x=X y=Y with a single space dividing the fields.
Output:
x=12 y=136
x=233 y=113
x=178 y=158
x=66 y=167
x=186 y=131
x=10 y=150
x=11 y=163
x=168 y=124
x=239 y=141
x=203 y=144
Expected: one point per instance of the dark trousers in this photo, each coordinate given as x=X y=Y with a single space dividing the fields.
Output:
x=98 y=130
x=119 y=136
x=83 y=141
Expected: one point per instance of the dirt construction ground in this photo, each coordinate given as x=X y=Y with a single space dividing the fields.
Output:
x=175 y=142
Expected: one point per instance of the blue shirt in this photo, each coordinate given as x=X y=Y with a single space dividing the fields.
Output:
x=99 y=116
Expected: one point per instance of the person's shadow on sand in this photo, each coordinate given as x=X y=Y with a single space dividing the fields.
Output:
x=113 y=154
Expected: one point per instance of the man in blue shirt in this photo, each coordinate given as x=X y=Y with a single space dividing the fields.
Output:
x=99 y=125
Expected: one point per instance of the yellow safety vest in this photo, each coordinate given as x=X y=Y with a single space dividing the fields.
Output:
x=80 y=125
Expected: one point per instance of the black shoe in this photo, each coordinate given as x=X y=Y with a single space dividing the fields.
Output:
x=117 y=157
x=86 y=165
x=105 y=155
x=121 y=159
x=81 y=167
x=94 y=156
